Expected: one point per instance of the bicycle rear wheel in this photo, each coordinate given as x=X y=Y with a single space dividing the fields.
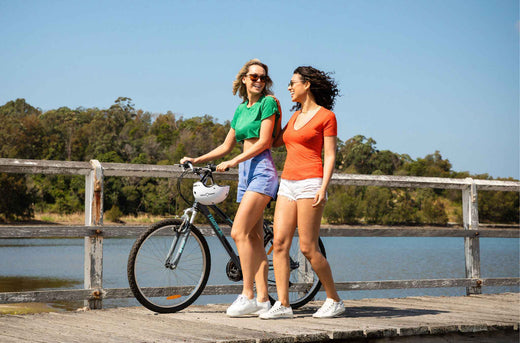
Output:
x=161 y=288
x=303 y=281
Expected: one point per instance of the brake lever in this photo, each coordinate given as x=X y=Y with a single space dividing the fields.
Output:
x=187 y=165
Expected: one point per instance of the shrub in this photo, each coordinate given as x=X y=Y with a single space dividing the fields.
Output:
x=342 y=208
x=114 y=215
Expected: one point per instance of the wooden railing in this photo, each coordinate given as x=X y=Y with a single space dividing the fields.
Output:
x=94 y=231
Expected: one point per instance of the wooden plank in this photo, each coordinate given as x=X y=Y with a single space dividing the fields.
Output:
x=46 y=329
x=107 y=323
x=45 y=296
x=148 y=170
x=471 y=243
x=118 y=293
x=93 y=252
x=425 y=283
x=397 y=181
x=432 y=319
x=165 y=329
x=437 y=311
x=24 y=166
x=78 y=231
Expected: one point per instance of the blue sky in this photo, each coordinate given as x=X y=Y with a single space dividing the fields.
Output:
x=415 y=75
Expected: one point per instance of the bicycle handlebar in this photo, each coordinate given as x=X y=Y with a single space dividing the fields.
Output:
x=205 y=174
x=197 y=170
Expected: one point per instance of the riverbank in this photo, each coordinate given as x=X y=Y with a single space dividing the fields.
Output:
x=146 y=219
x=26 y=308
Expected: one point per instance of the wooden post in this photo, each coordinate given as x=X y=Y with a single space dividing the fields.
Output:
x=93 y=274
x=472 y=243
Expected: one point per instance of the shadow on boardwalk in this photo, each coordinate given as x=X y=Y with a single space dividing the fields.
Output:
x=477 y=318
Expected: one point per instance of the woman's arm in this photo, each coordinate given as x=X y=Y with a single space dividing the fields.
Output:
x=222 y=150
x=329 y=159
x=262 y=143
x=278 y=140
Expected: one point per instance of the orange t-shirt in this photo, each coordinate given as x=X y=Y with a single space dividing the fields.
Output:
x=304 y=146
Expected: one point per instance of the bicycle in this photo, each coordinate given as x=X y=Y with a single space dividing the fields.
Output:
x=169 y=264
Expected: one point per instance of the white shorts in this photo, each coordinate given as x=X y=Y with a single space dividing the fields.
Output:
x=300 y=189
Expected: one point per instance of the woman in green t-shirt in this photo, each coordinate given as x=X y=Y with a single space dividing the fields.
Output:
x=254 y=122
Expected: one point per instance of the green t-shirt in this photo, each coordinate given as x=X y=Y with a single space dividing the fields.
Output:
x=247 y=121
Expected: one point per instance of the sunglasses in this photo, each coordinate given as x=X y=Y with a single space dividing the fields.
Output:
x=256 y=77
x=293 y=82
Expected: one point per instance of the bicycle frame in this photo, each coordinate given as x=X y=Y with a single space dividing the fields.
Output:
x=216 y=228
x=171 y=270
x=183 y=234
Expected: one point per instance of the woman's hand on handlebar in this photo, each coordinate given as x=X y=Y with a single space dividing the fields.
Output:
x=224 y=166
x=187 y=159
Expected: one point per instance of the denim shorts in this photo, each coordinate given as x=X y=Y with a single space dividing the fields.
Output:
x=258 y=174
x=300 y=189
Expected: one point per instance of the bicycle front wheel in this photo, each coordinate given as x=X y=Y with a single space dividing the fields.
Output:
x=303 y=281
x=154 y=282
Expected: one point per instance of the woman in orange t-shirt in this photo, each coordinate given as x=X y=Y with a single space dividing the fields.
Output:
x=302 y=192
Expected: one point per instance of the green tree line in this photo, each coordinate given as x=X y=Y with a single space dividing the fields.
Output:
x=123 y=134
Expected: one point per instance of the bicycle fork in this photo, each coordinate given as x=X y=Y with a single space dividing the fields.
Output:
x=181 y=236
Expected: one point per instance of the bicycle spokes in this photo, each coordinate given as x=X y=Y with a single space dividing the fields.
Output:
x=169 y=266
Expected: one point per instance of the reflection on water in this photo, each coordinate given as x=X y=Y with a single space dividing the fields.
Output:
x=38 y=264
x=27 y=283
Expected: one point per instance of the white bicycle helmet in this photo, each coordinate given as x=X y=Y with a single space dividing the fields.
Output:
x=209 y=195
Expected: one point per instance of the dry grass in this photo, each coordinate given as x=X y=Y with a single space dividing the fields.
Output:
x=25 y=308
x=79 y=218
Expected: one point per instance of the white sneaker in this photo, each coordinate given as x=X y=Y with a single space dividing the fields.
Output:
x=242 y=306
x=277 y=311
x=330 y=309
x=262 y=307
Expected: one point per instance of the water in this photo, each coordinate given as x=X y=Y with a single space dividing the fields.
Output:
x=42 y=264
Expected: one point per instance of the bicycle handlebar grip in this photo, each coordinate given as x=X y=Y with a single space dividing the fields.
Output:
x=213 y=167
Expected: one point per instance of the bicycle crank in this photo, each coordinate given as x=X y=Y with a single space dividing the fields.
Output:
x=234 y=273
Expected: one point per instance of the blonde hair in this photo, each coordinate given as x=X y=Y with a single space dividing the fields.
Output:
x=240 y=87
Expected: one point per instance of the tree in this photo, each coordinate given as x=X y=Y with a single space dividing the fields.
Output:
x=498 y=207
x=61 y=129
x=385 y=162
x=17 y=199
x=21 y=134
x=123 y=134
x=356 y=153
x=432 y=165
x=377 y=204
x=433 y=212
x=342 y=206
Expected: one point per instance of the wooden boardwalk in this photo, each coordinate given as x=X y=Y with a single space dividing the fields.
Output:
x=476 y=318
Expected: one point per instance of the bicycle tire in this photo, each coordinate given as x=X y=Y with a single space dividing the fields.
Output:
x=162 y=289
x=300 y=294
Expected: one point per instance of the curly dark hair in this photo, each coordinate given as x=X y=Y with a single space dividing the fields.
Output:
x=323 y=87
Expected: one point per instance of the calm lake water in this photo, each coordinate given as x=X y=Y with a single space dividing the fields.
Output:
x=41 y=264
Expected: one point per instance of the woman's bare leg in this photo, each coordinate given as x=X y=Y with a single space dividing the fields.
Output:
x=247 y=232
x=309 y=220
x=284 y=227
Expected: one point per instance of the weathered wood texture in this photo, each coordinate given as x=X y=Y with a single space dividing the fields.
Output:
x=8 y=165
x=97 y=294
x=94 y=293
x=94 y=231
x=46 y=231
x=476 y=318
